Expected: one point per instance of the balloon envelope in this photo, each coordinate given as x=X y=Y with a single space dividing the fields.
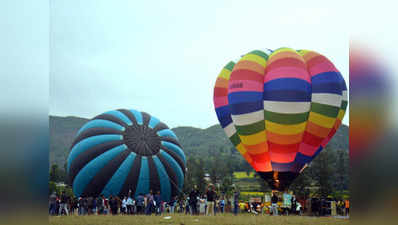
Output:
x=126 y=151
x=280 y=110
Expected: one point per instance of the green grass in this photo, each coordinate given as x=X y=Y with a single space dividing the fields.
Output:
x=179 y=219
x=252 y=193
x=247 y=183
x=240 y=175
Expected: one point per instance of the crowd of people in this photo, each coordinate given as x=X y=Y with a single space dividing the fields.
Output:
x=195 y=203
x=287 y=204
x=290 y=205
x=328 y=206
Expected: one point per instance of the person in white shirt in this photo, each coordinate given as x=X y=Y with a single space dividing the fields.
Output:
x=202 y=205
x=129 y=205
x=124 y=205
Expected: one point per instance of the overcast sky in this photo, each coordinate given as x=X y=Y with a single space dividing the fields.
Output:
x=163 y=58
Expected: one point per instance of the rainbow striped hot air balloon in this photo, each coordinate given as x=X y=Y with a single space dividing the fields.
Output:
x=280 y=110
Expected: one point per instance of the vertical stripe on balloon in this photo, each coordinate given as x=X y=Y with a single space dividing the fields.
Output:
x=143 y=179
x=245 y=95
x=85 y=175
x=118 y=179
x=223 y=111
x=325 y=103
x=287 y=90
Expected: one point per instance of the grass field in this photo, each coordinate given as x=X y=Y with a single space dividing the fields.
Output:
x=199 y=220
x=252 y=193
x=240 y=175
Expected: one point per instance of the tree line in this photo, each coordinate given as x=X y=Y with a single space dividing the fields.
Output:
x=327 y=175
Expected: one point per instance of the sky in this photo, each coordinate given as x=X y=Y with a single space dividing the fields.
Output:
x=164 y=58
x=24 y=55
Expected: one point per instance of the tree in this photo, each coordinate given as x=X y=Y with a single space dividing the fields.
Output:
x=300 y=185
x=188 y=179
x=263 y=184
x=57 y=174
x=341 y=183
x=199 y=176
x=52 y=187
x=54 y=173
x=194 y=175
x=226 y=185
x=214 y=171
x=321 y=170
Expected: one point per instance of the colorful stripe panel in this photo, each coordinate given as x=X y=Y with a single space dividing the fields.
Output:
x=245 y=96
x=223 y=111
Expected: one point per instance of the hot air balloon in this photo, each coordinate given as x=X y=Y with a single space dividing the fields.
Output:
x=280 y=109
x=126 y=151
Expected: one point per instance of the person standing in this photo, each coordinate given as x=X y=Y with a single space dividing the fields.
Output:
x=80 y=206
x=187 y=206
x=294 y=205
x=216 y=201
x=100 y=205
x=129 y=205
x=73 y=205
x=193 y=200
x=149 y=203
x=90 y=205
x=236 y=201
x=181 y=202
x=274 y=204
x=287 y=202
x=333 y=208
x=202 y=205
x=94 y=206
x=158 y=203
x=64 y=205
x=222 y=204
x=341 y=208
x=140 y=202
x=347 y=207
x=85 y=206
x=52 y=201
x=57 y=205
x=172 y=204
x=118 y=204
x=113 y=205
x=134 y=206
x=211 y=197
x=123 y=210
x=106 y=206
x=164 y=207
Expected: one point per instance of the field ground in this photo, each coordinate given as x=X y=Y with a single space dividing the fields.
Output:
x=247 y=185
x=240 y=175
x=179 y=219
x=252 y=193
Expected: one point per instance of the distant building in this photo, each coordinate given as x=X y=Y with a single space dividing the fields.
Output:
x=60 y=184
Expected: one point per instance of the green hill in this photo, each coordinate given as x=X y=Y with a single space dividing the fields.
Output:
x=204 y=143
x=62 y=132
